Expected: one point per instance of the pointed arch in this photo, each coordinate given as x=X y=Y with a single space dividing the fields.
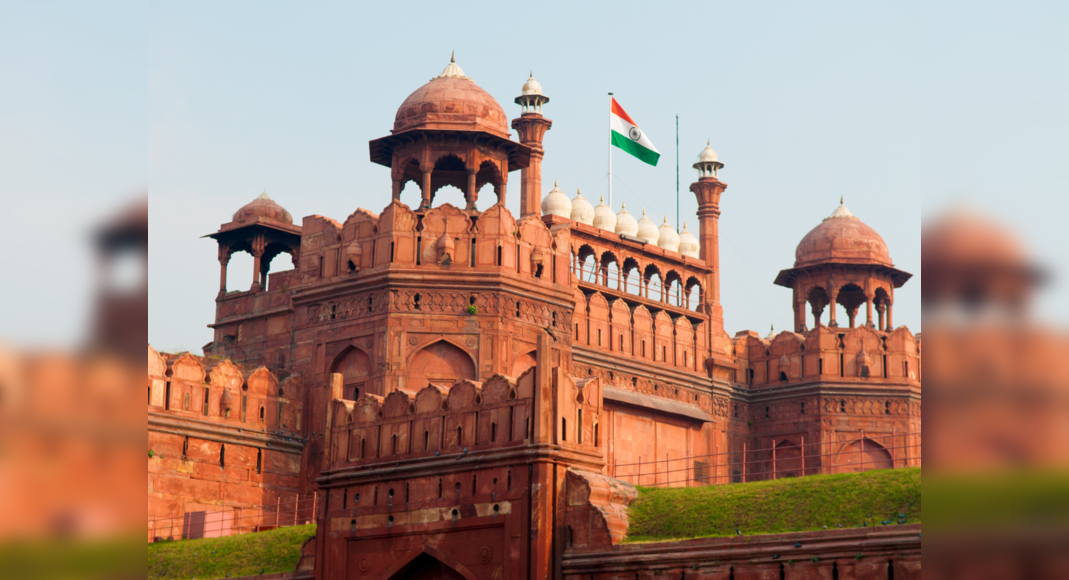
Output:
x=522 y=363
x=355 y=367
x=441 y=362
x=429 y=562
x=861 y=455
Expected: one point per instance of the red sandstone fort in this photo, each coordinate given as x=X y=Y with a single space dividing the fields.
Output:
x=457 y=393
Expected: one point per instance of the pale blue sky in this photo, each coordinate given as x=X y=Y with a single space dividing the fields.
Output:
x=902 y=108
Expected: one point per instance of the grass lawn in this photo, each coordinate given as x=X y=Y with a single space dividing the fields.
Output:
x=785 y=505
x=243 y=555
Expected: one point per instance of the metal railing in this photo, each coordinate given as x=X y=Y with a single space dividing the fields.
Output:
x=234 y=520
x=786 y=459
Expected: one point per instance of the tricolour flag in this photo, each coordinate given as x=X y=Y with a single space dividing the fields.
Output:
x=627 y=136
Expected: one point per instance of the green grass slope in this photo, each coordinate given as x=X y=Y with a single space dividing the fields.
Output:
x=785 y=505
x=243 y=555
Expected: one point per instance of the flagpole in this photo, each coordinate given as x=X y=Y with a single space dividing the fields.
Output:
x=610 y=150
x=677 y=173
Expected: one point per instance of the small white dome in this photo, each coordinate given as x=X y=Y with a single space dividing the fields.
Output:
x=688 y=244
x=625 y=222
x=840 y=212
x=707 y=154
x=647 y=230
x=451 y=70
x=771 y=333
x=582 y=211
x=668 y=238
x=531 y=87
x=556 y=203
x=603 y=217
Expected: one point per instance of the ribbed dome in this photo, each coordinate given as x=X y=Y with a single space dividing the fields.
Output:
x=771 y=332
x=842 y=238
x=667 y=237
x=451 y=101
x=582 y=211
x=556 y=203
x=647 y=230
x=531 y=87
x=625 y=222
x=688 y=244
x=604 y=218
x=707 y=154
x=263 y=206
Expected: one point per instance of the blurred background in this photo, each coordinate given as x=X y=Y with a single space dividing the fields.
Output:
x=943 y=124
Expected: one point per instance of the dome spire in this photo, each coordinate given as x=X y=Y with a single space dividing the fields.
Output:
x=452 y=70
x=841 y=211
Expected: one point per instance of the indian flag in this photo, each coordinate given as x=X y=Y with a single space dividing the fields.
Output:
x=627 y=136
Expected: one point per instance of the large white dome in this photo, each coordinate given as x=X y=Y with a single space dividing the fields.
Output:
x=604 y=218
x=556 y=203
x=582 y=211
x=625 y=222
x=647 y=230
x=668 y=238
x=688 y=244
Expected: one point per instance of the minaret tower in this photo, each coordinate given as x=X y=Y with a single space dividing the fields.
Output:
x=708 y=189
x=531 y=127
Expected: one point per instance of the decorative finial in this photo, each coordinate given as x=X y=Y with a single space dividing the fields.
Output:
x=554 y=183
x=623 y=205
x=578 y=192
x=531 y=74
x=643 y=212
x=603 y=199
x=666 y=220
x=453 y=56
x=840 y=200
x=708 y=143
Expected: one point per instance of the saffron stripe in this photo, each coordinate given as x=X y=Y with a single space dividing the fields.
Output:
x=619 y=112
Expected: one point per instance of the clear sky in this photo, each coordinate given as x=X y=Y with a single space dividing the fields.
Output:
x=901 y=108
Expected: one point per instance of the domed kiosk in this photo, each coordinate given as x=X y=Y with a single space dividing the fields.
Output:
x=264 y=229
x=843 y=261
x=450 y=132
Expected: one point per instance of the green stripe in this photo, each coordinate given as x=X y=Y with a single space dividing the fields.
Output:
x=635 y=149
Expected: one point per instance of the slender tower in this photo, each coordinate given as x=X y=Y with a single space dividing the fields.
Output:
x=708 y=189
x=531 y=127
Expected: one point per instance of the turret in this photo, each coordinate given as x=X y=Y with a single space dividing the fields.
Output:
x=531 y=127
x=708 y=189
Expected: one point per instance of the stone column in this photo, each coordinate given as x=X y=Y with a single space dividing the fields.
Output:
x=257 y=253
x=868 y=310
x=799 y=310
x=881 y=308
x=472 y=195
x=397 y=190
x=890 y=325
x=426 y=203
x=224 y=261
x=833 y=297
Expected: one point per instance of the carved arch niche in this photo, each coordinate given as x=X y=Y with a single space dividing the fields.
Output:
x=355 y=368
x=441 y=362
x=522 y=363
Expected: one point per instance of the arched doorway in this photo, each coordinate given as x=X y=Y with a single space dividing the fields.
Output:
x=862 y=455
x=441 y=362
x=355 y=368
x=426 y=567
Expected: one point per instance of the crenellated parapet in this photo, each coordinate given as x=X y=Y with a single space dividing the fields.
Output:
x=827 y=354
